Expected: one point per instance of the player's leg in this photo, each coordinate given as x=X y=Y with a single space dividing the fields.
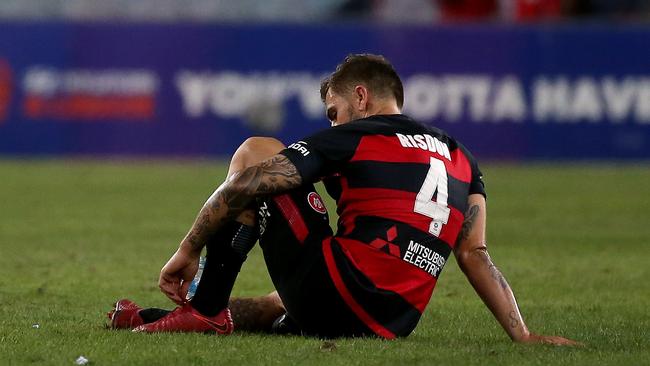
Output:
x=212 y=294
x=293 y=226
x=253 y=151
x=208 y=310
x=294 y=259
x=256 y=314
x=225 y=254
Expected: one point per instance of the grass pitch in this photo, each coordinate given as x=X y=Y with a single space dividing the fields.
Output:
x=573 y=241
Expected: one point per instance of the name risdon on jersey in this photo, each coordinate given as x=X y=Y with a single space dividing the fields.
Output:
x=401 y=190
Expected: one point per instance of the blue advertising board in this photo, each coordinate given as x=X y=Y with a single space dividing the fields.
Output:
x=507 y=92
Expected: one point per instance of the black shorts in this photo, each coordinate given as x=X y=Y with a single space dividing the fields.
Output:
x=293 y=227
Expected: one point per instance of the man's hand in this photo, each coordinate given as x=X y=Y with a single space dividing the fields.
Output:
x=554 y=340
x=176 y=276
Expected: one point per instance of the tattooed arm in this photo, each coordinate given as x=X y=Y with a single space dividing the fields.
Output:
x=274 y=175
x=488 y=282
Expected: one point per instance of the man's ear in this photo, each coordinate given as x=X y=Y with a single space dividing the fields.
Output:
x=361 y=97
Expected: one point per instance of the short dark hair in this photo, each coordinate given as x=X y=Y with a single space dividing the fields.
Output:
x=373 y=71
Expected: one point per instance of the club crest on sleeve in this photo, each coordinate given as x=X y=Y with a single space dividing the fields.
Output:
x=316 y=202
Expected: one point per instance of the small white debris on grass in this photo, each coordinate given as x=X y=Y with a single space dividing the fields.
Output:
x=81 y=360
x=36 y=325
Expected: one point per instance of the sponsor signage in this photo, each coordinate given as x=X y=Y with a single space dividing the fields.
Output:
x=506 y=92
x=88 y=94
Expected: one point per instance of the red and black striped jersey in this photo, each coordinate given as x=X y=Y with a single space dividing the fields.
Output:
x=401 y=190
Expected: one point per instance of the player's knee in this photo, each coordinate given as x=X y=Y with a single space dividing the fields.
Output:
x=253 y=151
x=258 y=144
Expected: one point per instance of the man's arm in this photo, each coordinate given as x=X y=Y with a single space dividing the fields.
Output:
x=488 y=282
x=274 y=175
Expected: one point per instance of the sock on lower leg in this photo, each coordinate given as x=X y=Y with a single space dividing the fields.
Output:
x=150 y=315
x=225 y=255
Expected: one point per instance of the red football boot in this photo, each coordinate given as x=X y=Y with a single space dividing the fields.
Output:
x=186 y=319
x=125 y=315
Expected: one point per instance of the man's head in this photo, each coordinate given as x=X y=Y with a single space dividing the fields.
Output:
x=362 y=85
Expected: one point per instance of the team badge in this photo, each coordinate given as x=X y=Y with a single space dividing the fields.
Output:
x=316 y=202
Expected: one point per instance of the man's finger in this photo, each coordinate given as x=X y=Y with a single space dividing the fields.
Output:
x=171 y=294
x=561 y=341
x=185 y=286
x=170 y=289
x=569 y=342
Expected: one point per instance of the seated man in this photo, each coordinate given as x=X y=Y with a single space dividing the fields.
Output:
x=408 y=195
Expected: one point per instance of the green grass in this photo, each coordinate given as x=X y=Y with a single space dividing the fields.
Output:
x=573 y=240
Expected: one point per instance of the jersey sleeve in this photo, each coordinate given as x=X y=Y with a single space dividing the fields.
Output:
x=323 y=153
x=476 y=185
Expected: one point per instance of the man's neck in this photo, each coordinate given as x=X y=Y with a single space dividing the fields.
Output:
x=384 y=108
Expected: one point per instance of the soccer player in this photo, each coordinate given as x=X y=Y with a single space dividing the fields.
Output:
x=408 y=195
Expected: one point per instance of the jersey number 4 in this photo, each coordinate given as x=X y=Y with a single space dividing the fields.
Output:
x=436 y=181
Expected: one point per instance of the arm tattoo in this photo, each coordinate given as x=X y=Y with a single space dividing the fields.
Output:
x=274 y=175
x=271 y=176
x=494 y=271
x=496 y=274
x=514 y=319
x=513 y=316
x=468 y=223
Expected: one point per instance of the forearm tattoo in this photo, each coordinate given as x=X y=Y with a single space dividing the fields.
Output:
x=494 y=271
x=514 y=319
x=513 y=316
x=468 y=225
x=273 y=175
